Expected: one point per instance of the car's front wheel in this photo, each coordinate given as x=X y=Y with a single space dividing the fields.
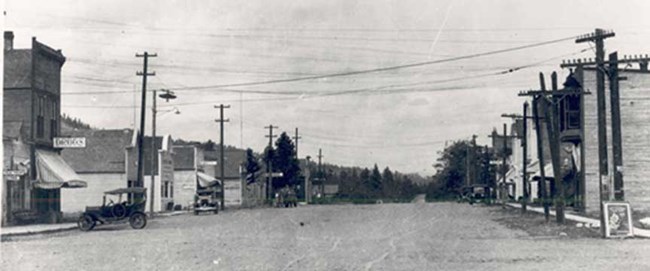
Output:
x=138 y=220
x=86 y=223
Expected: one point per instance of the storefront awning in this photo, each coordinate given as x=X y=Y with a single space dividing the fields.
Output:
x=512 y=174
x=206 y=180
x=548 y=172
x=53 y=172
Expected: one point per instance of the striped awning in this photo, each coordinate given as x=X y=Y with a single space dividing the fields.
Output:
x=53 y=172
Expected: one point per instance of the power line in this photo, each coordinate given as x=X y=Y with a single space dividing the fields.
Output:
x=299 y=92
x=389 y=68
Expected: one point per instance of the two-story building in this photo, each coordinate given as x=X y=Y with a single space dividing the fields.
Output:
x=32 y=108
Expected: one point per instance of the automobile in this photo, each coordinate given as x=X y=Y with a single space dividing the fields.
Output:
x=119 y=205
x=206 y=200
x=473 y=193
x=286 y=197
x=206 y=197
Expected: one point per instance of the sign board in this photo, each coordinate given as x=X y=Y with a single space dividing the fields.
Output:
x=273 y=175
x=69 y=142
x=618 y=219
x=232 y=192
x=166 y=171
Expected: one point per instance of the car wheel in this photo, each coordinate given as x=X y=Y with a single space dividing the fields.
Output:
x=216 y=211
x=138 y=220
x=196 y=212
x=119 y=210
x=86 y=223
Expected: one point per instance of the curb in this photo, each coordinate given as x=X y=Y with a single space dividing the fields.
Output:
x=4 y=235
x=68 y=227
x=638 y=232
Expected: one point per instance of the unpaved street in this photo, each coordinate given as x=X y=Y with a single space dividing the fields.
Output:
x=416 y=236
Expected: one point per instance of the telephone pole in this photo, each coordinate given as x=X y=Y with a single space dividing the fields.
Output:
x=154 y=151
x=320 y=172
x=553 y=128
x=617 y=141
x=598 y=38
x=269 y=162
x=144 y=74
x=524 y=146
x=222 y=161
x=504 y=170
x=296 y=138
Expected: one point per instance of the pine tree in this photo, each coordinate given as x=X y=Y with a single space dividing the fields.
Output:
x=375 y=183
x=285 y=161
x=252 y=166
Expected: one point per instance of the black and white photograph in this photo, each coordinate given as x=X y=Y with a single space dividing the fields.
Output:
x=617 y=219
x=325 y=135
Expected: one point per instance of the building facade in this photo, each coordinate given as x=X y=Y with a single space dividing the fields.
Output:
x=32 y=102
x=635 y=130
x=101 y=163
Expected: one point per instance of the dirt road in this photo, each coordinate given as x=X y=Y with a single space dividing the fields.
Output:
x=415 y=236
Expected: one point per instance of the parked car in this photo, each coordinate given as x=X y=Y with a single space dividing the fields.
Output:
x=286 y=197
x=473 y=194
x=119 y=205
x=206 y=200
x=206 y=197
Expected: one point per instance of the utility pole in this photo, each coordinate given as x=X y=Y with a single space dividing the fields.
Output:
x=153 y=152
x=144 y=74
x=553 y=128
x=296 y=138
x=320 y=172
x=473 y=172
x=504 y=169
x=467 y=182
x=598 y=38
x=539 y=97
x=617 y=141
x=524 y=146
x=269 y=162
x=222 y=160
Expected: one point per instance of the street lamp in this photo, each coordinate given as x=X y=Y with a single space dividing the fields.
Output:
x=167 y=95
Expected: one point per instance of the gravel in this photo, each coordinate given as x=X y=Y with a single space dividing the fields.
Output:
x=415 y=236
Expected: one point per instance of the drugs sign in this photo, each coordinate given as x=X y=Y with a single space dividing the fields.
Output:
x=69 y=142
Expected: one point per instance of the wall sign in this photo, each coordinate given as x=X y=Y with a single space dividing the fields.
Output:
x=69 y=142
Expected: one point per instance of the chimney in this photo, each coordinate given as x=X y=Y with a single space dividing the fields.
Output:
x=9 y=40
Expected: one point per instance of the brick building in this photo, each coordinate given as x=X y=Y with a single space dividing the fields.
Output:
x=32 y=106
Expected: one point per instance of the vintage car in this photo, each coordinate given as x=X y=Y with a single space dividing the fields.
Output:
x=119 y=205
x=473 y=193
x=286 y=197
x=206 y=198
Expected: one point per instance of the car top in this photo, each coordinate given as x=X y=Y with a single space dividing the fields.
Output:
x=128 y=190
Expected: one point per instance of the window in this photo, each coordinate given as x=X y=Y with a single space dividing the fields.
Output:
x=54 y=131
x=572 y=116
x=40 y=122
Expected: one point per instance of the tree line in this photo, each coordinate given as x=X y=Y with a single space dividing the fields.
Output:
x=355 y=184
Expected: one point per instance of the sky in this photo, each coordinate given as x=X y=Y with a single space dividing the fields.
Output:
x=241 y=53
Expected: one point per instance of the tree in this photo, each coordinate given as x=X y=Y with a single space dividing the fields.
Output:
x=452 y=166
x=374 y=183
x=252 y=166
x=285 y=161
x=388 y=183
